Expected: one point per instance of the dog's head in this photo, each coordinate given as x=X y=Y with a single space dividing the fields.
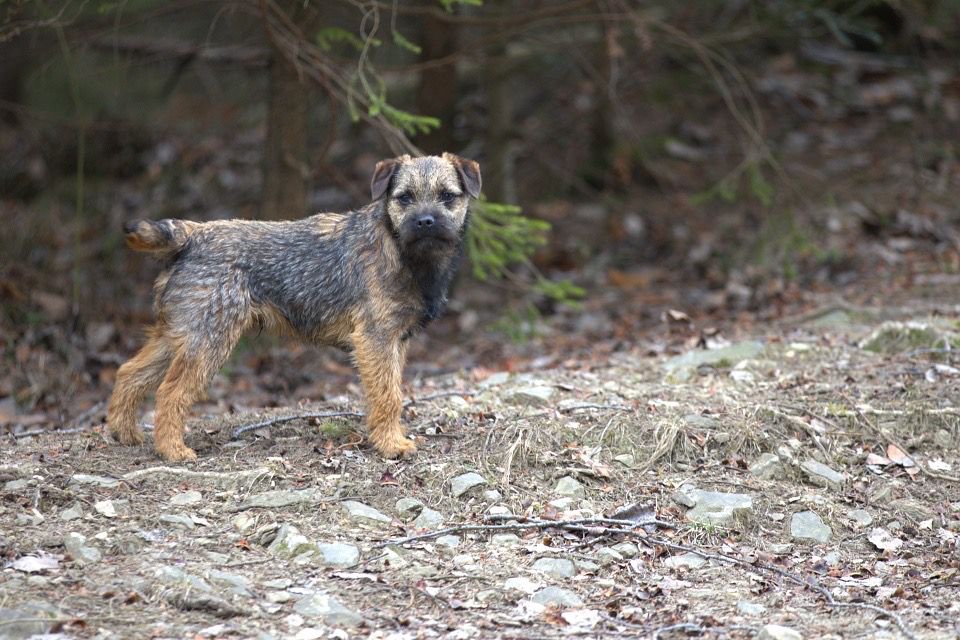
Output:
x=427 y=200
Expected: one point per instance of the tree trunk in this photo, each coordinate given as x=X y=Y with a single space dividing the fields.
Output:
x=498 y=171
x=437 y=91
x=285 y=168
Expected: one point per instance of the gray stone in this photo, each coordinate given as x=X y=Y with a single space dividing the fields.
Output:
x=556 y=567
x=186 y=498
x=727 y=357
x=328 y=609
x=279 y=597
x=688 y=560
x=278 y=583
x=106 y=508
x=822 y=475
x=339 y=554
x=364 y=514
x=428 y=519
x=776 y=632
x=683 y=497
x=748 y=608
x=588 y=566
x=465 y=482
x=626 y=459
x=626 y=549
x=234 y=582
x=449 y=541
x=290 y=543
x=699 y=421
x=177 y=520
x=569 y=487
x=408 y=508
x=20 y=624
x=499 y=510
x=100 y=481
x=244 y=522
x=75 y=545
x=279 y=499
x=495 y=380
x=861 y=517
x=557 y=596
x=606 y=556
x=767 y=465
x=190 y=593
x=492 y=495
x=912 y=509
x=504 y=539
x=716 y=508
x=522 y=584
x=537 y=396
x=832 y=559
x=16 y=485
x=562 y=504
x=72 y=513
x=807 y=525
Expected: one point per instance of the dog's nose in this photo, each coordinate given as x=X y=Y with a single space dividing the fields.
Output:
x=425 y=220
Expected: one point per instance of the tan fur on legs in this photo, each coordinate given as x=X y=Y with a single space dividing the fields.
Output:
x=138 y=377
x=178 y=391
x=380 y=360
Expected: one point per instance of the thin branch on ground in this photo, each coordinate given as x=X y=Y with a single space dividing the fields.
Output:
x=599 y=526
x=290 y=418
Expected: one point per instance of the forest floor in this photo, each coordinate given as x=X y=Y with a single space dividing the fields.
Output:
x=802 y=473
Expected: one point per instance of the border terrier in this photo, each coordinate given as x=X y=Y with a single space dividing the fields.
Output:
x=364 y=281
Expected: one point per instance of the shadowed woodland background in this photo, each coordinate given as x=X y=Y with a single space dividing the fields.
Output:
x=703 y=166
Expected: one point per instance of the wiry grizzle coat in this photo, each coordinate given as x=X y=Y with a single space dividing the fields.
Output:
x=363 y=281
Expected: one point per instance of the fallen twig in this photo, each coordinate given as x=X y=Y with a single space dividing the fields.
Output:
x=234 y=477
x=629 y=528
x=290 y=418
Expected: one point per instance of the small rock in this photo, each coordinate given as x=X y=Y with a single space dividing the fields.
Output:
x=105 y=508
x=428 y=519
x=328 y=609
x=700 y=421
x=522 y=584
x=74 y=543
x=626 y=459
x=244 y=522
x=689 y=560
x=682 y=496
x=100 y=481
x=587 y=566
x=449 y=541
x=495 y=380
x=767 y=466
x=751 y=608
x=822 y=475
x=569 y=487
x=186 y=498
x=563 y=504
x=279 y=499
x=408 y=508
x=806 y=525
x=235 y=583
x=278 y=583
x=832 y=559
x=861 y=517
x=557 y=596
x=279 y=597
x=16 y=485
x=724 y=509
x=538 y=396
x=556 y=567
x=606 y=556
x=290 y=543
x=339 y=554
x=465 y=482
x=177 y=520
x=912 y=509
x=625 y=549
x=724 y=357
x=504 y=539
x=499 y=510
x=26 y=623
x=364 y=514
x=776 y=632
x=72 y=513
x=492 y=495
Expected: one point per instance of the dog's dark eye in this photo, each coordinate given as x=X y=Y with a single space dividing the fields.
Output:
x=447 y=197
x=405 y=198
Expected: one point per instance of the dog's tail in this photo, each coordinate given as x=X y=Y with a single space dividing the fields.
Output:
x=158 y=236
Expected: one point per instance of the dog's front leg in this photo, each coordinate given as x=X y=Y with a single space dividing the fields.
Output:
x=380 y=359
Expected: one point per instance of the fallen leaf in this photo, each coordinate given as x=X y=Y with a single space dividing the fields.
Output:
x=883 y=540
x=899 y=456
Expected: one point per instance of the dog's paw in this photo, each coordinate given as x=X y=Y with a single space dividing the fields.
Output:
x=130 y=436
x=395 y=447
x=176 y=453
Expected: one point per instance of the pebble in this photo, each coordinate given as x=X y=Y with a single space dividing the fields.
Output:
x=499 y=510
x=557 y=596
x=504 y=539
x=177 y=520
x=279 y=597
x=428 y=519
x=449 y=541
x=807 y=525
x=625 y=549
x=21 y=624
x=776 y=632
x=569 y=487
x=339 y=554
x=751 y=608
x=278 y=583
x=290 y=543
x=689 y=560
x=767 y=465
x=328 y=609
x=244 y=522
x=75 y=545
x=522 y=583
x=105 y=508
x=72 y=513
x=16 y=485
x=279 y=498
x=822 y=475
x=607 y=556
x=724 y=509
x=626 y=459
x=408 y=507
x=492 y=495
x=100 y=481
x=234 y=582
x=556 y=567
x=563 y=504
x=364 y=514
x=536 y=396
x=465 y=482
x=186 y=498
x=861 y=517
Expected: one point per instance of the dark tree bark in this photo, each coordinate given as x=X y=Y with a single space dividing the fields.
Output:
x=437 y=91
x=498 y=170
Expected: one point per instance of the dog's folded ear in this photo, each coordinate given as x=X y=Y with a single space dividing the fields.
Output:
x=469 y=172
x=383 y=174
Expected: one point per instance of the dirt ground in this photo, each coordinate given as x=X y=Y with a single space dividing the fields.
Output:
x=845 y=421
